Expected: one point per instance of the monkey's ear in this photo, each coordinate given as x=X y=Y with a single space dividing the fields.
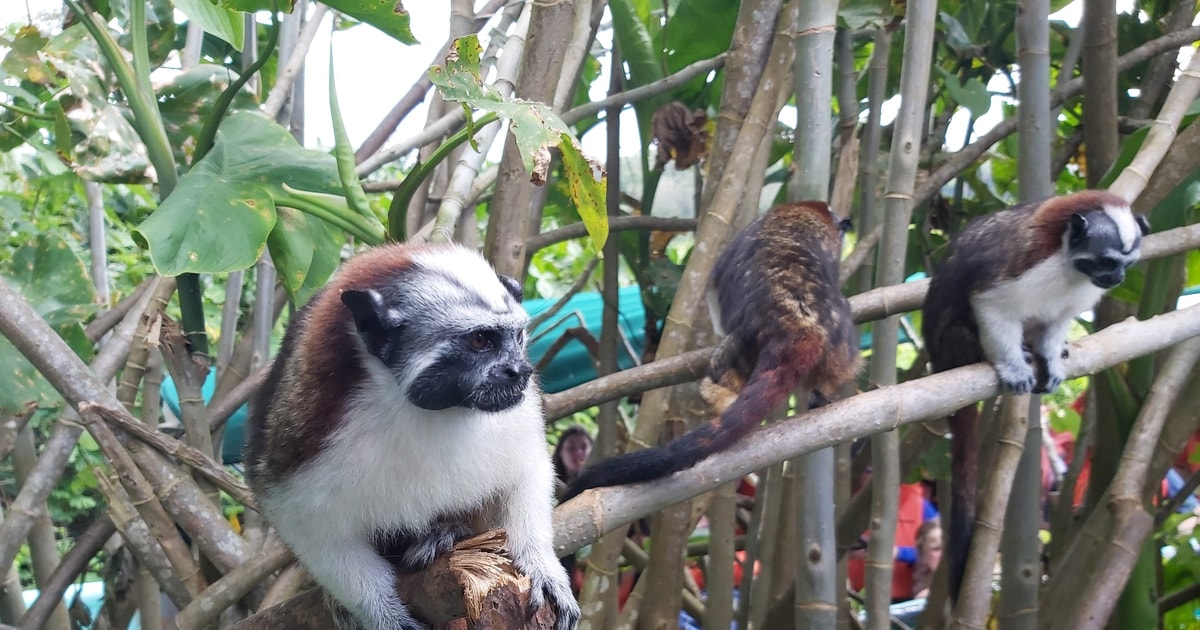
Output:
x=368 y=310
x=513 y=287
x=373 y=319
x=1078 y=229
x=1143 y=223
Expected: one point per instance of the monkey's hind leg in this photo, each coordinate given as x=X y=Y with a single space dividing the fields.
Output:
x=355 y=576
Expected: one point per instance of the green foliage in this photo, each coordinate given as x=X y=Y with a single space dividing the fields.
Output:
x=225 y=208
x=52 y=278
x=1180 y=569
x=388 y=16
x=536 y=129
x=219 y=21
x=186 y=103
x=862 y=14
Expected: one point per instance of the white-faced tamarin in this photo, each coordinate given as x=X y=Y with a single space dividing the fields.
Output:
x=401 y=416
x=1016 y=279
x=775 y=297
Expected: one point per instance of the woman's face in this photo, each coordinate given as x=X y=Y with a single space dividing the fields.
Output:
x=575 y=452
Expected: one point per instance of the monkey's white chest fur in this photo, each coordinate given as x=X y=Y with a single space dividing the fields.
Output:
x=1051 y=291
x=394 y=466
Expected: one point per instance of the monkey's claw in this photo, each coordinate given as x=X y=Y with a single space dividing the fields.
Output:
x=556 y=593
x=1016 y=378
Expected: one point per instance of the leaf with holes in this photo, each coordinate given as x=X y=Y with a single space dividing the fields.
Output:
x=536 y=128
x=220 y=215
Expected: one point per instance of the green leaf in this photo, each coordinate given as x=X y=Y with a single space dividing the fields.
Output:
x=587 y=184
x=973 y=94
x=218 y=21
x=535 y=127
x=389 y=16
x=956 y=36
x=636 y=44
x=186 y=103
x=860 y=14
x=53 y=279
x=250 y=6
x=219 y=216
x=305 y=251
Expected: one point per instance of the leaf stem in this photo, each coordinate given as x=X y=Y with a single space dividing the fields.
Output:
x=208 y=134
x=398 y=211
x=146 y=119
x=327 y=208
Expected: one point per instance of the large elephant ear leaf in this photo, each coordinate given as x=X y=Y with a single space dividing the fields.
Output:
x=305 y=251
x=54 y=280
x=220 y=214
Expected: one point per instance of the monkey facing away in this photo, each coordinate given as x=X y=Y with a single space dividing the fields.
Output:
x=775 y=297
x=401 y=416
x=1018 y=278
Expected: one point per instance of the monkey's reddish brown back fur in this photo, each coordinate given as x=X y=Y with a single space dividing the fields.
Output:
x=786 y=324
x=780 y=300
x=318 y=351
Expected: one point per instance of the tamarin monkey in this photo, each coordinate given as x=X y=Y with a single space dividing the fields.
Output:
x=401 y=416
x=775 y=297
x=1016 y=279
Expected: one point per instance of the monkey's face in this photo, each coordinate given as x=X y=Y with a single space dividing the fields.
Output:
x=483 y=369
x=449 y=330
x=1102 y=244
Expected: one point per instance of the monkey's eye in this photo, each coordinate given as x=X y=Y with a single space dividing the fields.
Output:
x=1107 y=264
x=479 y=340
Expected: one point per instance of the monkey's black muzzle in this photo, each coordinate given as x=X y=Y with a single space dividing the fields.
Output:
x=504 y=387
x=1108 y=280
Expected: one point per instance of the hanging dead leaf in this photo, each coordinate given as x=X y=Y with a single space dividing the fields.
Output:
x=680 y=135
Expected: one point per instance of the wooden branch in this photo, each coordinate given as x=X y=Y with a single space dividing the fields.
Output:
x=143 y=498
x=225 y=592
x=295 y=63
x=615 y=224
x=474 y=581
x=105 y=321
x=576 y=287
x=975 y=597
x=69 y=567
x=584 y=519
x=194 y=458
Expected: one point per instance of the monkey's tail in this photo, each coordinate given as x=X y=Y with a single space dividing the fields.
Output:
x=770 y=383
x=964 y=453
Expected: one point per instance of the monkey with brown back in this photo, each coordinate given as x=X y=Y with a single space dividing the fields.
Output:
x=775 y=296
x=401 y=416
x=1016 y=279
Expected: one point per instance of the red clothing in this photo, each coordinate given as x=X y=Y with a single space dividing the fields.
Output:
x=908 y=520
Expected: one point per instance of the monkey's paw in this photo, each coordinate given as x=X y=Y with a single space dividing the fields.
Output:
x=1016 y=378
x=557 y=593
x=438 y=541
x=1055 y=375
